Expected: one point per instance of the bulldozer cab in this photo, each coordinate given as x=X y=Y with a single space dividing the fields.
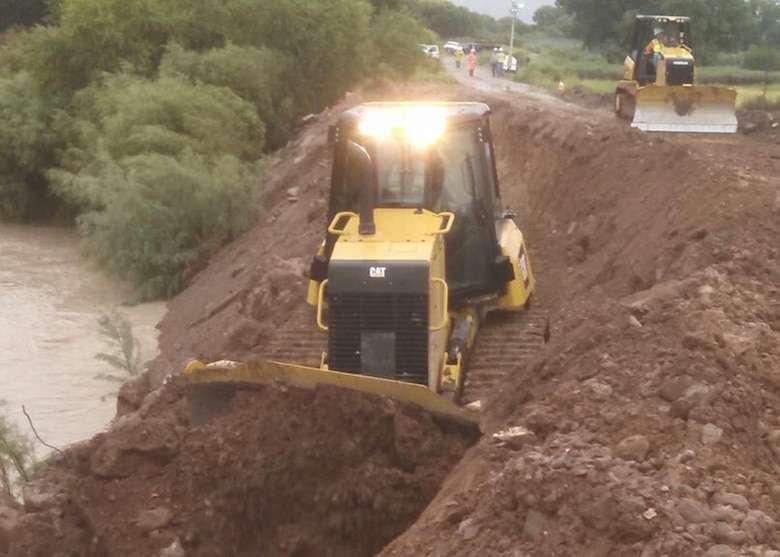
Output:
x=434 y=156
x=675 y=32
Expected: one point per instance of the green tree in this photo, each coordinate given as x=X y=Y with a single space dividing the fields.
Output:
x=395 y=5
x=553 y=21
x=718 y=24
x=94 y=36
x=326 y=41
x=767 y=15
x=394 y=45
x=253 y=74
x=21 y=12
x=446 y=19
x=597 y=22
x=32 y=131
x=547 y=16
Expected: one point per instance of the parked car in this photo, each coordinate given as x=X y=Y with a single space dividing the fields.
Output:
x=480 y=46
x=431 y=50
x=452 y=46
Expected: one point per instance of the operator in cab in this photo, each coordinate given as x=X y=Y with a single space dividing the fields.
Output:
x=656 y=45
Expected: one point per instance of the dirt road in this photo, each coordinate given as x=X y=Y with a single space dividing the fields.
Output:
x=651 y=420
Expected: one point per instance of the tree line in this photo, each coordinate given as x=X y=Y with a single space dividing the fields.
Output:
x=147 y=122
x=718 y=25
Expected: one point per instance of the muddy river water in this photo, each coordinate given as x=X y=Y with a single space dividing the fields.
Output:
x=50 y=303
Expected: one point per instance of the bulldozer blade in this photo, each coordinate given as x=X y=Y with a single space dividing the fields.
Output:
x=210 y=387
x=685 y=109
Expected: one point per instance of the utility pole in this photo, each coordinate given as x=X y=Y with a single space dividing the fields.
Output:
x=513 y=11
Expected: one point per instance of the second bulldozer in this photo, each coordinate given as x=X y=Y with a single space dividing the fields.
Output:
x=423 y=281
x=659 y=89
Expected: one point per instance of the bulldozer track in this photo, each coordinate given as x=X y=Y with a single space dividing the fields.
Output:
x=299 y=341
x=506 y=340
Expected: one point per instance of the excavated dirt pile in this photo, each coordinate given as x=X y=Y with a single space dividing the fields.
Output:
x=648 y=427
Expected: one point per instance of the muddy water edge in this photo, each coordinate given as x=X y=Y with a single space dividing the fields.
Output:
x=50 y=301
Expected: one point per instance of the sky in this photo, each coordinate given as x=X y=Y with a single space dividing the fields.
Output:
x=500 y=8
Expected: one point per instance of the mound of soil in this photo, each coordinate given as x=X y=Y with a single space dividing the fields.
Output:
x=647 y=427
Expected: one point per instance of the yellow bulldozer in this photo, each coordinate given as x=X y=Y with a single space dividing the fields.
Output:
x=422 y=283
x=659 y=90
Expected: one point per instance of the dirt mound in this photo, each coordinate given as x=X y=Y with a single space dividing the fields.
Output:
x=282 y=472
x=648 y=427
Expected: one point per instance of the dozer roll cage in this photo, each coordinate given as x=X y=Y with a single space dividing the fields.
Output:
x=455 y=172
x=677 y=32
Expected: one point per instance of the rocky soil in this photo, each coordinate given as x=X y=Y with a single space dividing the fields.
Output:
x=648 y=427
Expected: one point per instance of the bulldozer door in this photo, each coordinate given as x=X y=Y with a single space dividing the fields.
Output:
x=471 y=246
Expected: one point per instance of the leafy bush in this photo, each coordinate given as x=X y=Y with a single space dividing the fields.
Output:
x=16 y=456
x=762 y=58
x=164 y=172
x=326 y=39
x=155 y=214
x=129 y=115
x=253 y=74
x=32 y=131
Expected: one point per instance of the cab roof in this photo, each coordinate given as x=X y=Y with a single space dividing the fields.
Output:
x=456 y=112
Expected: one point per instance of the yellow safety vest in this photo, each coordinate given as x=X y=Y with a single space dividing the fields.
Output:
x=657 y=46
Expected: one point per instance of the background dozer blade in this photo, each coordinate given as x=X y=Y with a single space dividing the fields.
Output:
x=685 y=109
x=210 y=387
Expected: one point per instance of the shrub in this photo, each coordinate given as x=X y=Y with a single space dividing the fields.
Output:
x=32 y=130
x=256 y=75
x=129 y=115
x=762 y=58
x=16 y=456
x=163 y=173
x=155 y=214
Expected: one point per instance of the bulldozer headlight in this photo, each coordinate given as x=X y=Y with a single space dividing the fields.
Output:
x=421 y=125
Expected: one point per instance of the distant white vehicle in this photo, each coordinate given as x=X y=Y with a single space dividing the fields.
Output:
x=510 y=64
x=431 y=50
x=452 y=46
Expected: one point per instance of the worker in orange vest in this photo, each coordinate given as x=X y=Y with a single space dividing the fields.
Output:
x=656 y=45
x=472 y=59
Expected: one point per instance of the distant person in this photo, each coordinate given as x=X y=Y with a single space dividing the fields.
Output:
x=656 y=45
x=494 y=62
x=500 y=62
x=458 y=57
x=472 y=59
